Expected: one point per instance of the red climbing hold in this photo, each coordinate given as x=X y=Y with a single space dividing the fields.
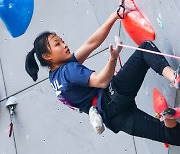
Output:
x=138 y=28
x=166 y=145
x=159 y=102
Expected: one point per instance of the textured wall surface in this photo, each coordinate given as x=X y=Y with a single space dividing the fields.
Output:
x=42 y=125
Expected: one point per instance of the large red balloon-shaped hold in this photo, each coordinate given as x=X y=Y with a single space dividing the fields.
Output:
x=138 y=28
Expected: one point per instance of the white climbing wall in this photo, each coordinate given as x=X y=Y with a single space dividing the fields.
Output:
x=42 y=125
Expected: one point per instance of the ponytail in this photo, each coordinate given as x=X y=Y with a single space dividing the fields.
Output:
x=40 y=47
x=31 y=65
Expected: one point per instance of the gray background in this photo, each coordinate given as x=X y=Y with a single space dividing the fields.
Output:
x=42 y=125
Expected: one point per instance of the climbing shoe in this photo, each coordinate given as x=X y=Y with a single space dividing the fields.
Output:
x=169 y=112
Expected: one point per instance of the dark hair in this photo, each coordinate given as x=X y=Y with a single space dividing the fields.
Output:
x=40 y=47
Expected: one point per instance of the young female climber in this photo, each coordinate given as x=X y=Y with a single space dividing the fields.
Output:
x=77 y=86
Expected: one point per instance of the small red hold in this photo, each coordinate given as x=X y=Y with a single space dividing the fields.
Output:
x=159 y=102
x=166 y=145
